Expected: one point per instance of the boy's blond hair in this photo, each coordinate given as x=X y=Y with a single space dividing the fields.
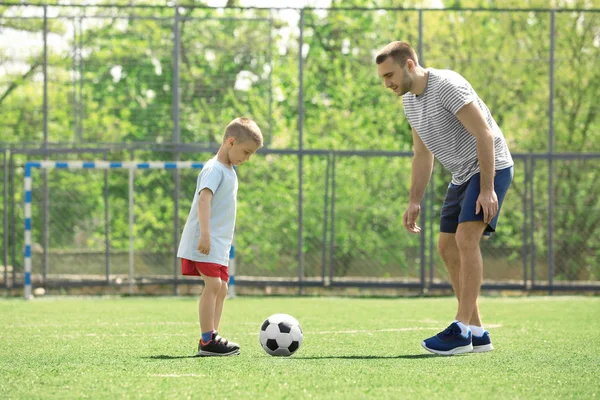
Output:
x=244 y=129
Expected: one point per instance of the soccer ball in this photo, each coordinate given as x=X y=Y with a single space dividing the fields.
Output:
x=281 y=335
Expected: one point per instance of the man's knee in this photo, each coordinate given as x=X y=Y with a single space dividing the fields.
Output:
x=447 y=247
x=468 y=235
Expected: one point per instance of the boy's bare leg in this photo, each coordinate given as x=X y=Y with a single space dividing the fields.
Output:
x=210 y=308
x=208 y=301
x=219 y=304
x=448 y=251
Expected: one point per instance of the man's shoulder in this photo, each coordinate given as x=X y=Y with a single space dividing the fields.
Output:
x=407 y=98
x=446 y=77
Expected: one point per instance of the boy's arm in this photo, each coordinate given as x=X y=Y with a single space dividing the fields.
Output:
x=204 y=220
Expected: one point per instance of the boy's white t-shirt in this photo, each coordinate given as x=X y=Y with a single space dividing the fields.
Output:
x=223 y=182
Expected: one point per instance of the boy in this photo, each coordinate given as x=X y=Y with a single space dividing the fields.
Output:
x=208 y=232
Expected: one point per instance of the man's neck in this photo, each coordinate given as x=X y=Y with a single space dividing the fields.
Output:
x=419 y=81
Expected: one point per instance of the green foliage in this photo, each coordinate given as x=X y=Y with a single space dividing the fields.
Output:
x=245 y=62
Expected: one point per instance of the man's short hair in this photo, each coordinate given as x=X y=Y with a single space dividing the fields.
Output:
x=399 y=51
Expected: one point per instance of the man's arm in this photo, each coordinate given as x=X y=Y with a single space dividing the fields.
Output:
x=422 y=166
x=472 y=119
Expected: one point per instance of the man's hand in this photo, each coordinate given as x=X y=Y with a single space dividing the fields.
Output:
x=410 y=218
x=488 y=203
x=204 y=245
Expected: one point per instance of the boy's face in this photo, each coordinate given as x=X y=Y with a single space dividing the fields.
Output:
x=240 y=152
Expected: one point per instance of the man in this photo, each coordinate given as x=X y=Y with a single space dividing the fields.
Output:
x=451 y=123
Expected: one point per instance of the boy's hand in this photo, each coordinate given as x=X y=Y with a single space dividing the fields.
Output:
x=204 y=245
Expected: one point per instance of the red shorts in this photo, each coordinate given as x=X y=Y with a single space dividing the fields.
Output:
x=189 y=267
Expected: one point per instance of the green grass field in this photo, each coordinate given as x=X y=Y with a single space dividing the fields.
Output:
x=546 y=348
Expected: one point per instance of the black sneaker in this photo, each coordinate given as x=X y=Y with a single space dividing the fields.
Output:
x=218 y=346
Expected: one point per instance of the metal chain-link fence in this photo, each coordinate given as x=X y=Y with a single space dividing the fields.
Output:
x=321 y=205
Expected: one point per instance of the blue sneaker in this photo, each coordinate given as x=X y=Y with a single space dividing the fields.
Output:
x=483 y=343
x=449 y=342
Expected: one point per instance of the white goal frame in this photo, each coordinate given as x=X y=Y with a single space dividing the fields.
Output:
x=132 y=166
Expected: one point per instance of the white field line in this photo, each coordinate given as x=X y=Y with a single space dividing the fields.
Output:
x=105 y=335
x=166 y=334
x=437 y=324
x=123 y=324
x=372 y=331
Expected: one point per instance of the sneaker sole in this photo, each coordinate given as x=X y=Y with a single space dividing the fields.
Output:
x=210 y=354
x=482 y=349
x=457 y=350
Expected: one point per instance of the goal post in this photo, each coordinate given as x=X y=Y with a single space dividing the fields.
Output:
x=132 y=166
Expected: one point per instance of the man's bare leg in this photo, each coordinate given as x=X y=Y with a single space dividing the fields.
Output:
x=448 y=251
x=467 y=238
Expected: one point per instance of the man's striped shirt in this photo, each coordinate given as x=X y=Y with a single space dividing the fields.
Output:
x=433 y=115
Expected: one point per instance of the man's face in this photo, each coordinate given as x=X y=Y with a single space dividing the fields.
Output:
x=395 y=77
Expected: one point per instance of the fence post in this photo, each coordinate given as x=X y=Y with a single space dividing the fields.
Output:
x=532 y=219
x=46 y=226
x=13 y=222
x=420 y=44
x=432 y=248
x=524 y=245
x=270 y=82
x=325 y=219
x=131 y=221
x=27 y=239
x=301 y=156
x=551 y=160
x=177 y=141
x=106 y=223
x=332 y=234
x=5 y=218
x=422 y=242
x=80 y=104
x=232 y=271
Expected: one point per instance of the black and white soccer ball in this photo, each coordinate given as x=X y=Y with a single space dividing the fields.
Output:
x=281 y=335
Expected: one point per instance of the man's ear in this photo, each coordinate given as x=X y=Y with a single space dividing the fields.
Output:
x=410 y=65
x=231 y=140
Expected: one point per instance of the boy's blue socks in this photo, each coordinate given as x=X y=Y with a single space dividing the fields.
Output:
x=207 y=336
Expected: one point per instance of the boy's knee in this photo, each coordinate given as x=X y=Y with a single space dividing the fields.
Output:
x=223 y=290
x=212 y=285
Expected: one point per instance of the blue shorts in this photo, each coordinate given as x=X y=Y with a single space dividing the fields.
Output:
x=460 y=202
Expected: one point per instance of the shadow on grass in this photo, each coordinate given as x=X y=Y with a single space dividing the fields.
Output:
x=166 y=357
x=324 y=357
x=403 y=356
